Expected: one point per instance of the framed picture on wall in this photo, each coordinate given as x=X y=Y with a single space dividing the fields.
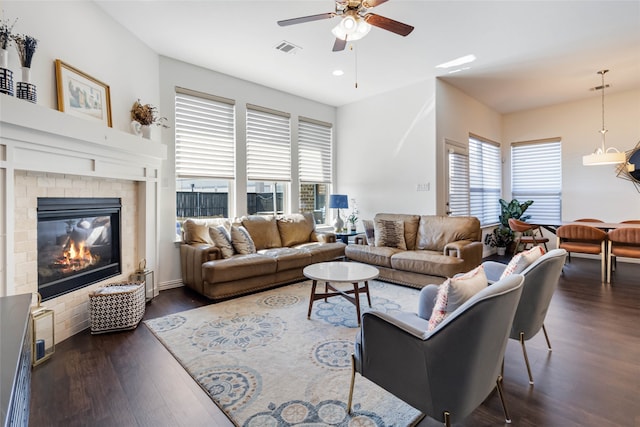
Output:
x=81 y=95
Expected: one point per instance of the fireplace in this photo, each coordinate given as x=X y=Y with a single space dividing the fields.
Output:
x=78 y=243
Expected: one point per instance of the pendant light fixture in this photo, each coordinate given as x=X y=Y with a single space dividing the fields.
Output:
x=603 y=155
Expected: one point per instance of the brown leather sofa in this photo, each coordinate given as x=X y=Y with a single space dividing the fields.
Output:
x=433 y=248
x=284 y=246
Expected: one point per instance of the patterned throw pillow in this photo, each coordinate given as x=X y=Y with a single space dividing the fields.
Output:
x=241 y=240
x=455 y=292
x=521 y=261
x=369 y=231
x=222 y=240
x=390 y=233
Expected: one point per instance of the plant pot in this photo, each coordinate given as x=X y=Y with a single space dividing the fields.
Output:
x=501 y=250
x=146 y=131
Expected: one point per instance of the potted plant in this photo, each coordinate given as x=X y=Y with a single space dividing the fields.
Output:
x=143 y=116
x=513 y=209
x=352 y=219
x=500 y=238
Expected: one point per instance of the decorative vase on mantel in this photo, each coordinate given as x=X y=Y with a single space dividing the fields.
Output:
x=26 y=90
x=146 y=131
x=6 y=75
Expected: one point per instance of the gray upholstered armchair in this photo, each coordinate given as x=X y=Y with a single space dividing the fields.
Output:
x=448 y=372
x=541 y=281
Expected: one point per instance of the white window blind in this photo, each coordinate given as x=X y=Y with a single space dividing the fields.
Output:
x=268 y=145
x=205 y=136
x=458 y=184
x=485 y=178
x=536 y=174
x=314 y=151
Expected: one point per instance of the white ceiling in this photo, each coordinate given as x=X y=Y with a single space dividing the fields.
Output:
x=529 y=53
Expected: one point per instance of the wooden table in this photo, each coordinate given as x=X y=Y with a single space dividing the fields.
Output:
x=340 y=272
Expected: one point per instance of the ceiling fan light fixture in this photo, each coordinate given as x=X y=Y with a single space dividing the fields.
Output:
x=351 y=28
x=603 y=155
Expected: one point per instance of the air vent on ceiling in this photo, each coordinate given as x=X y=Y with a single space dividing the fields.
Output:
x=286 y=47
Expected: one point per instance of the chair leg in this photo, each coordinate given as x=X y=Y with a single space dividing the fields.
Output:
x=353 y=380
x=447 y=419
x=507 y=418
x=546 y=337
x=526 y=359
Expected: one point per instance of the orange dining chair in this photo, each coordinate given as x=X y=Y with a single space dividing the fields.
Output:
x=584 y=239
x=623 y=242
x=526 y=235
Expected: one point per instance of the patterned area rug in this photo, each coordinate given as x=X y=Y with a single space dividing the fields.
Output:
x=265 y=364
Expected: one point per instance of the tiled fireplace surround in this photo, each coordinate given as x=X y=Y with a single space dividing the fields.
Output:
x=46 y=153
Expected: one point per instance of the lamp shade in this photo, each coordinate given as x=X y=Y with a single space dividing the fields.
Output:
x=338 y=201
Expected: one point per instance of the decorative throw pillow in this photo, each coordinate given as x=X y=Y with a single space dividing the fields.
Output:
x=369 y=231
x=455 y=292
x=389 y=233
x=222 y=240
x=196 y=232
x=242 y=242
x=521 y=261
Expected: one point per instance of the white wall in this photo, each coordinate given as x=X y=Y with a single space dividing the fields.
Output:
x=176 y=73
x=82 y=35
x=587 y=191
x=386 y=147
x=458 y=115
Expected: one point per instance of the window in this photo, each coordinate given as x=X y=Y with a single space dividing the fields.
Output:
x=458 y=182
x=485 y=179
x=315 y=166
x=268 y=160
x=205 y=154
x=536 y=175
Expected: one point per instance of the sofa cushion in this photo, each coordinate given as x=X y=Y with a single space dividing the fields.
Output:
x=295 y=229
x=241 y=240
x=521 y=261
x=411 y=223
x=455 y=292
x=369 y=232
x=374 y=255
x=427 y=262
x=238 y=267
x=390 y=233
x=222 y=239
x=321 y=252
x=434 y=231
x=288 y=258
x=263 y=231
x=196 y=231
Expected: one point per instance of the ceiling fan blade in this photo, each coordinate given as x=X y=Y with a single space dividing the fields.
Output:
x=304 y=19
x=339 y=45
x=368 y=4
x=388 y=24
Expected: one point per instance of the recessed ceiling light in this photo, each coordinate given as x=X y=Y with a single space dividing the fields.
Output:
x=337 y=73
x=457 y=62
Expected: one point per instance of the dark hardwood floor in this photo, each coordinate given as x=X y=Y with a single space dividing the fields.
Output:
x=591 y=378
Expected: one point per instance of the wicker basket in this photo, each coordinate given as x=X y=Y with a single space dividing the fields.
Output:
x=116 y=306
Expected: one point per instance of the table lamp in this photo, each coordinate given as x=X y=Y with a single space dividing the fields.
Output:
x=338 y=201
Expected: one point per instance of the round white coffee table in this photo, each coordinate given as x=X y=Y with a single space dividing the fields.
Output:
x=340 y=272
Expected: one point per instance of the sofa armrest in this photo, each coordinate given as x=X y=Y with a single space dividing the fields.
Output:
x=191 y=259
x=360 y=239
x=324 y=237
x=455 y=248
x=469 y=251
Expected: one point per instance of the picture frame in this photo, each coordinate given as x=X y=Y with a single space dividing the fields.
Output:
x=81 y=95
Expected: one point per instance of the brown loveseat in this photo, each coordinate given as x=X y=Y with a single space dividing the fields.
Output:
x=284 y=246
x=417 y=250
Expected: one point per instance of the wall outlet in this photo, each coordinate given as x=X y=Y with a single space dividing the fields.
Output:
x=424 y=187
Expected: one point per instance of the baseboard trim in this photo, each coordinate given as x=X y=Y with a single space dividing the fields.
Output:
x=170 y=285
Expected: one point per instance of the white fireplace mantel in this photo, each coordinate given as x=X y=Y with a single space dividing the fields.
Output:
x=36 y=138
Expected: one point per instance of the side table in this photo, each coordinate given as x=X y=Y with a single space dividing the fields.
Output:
x=344 y=237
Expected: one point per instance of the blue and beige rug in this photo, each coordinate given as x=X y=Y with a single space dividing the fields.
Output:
x=265 y=364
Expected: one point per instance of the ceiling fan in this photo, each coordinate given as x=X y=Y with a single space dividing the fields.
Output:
x=356 y=21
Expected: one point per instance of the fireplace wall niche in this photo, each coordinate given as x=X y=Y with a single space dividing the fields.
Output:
x=78 y=243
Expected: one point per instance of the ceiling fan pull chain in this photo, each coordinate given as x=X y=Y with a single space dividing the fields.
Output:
x=355 y=59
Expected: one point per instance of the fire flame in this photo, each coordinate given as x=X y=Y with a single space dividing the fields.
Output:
x=78 y=256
